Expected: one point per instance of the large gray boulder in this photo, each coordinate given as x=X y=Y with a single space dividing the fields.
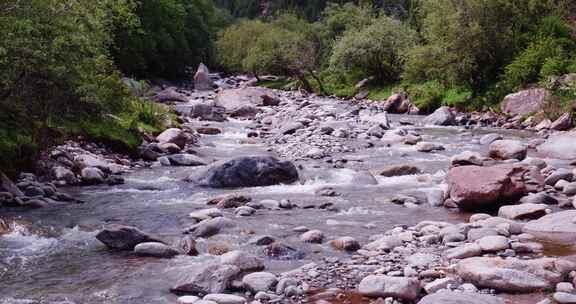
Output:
x=559 y=227
x=514 y=275
x=452 y=297
x=525 y=102
x=381 y=286
x=246 y=172
x=443 y=116
x=477 y=188
x=560 y=146
x=205 y=111
x=122 y=237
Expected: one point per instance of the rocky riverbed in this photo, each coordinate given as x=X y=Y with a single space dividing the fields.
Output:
x=262 y=196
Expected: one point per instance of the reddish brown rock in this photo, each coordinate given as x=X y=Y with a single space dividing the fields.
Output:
x=476 y=188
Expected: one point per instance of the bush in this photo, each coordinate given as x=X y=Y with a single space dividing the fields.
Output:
x=377 y=50
x=430 y=95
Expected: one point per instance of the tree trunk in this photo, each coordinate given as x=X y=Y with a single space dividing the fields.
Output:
x=302 y=78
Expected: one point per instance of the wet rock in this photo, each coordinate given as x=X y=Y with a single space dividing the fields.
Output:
x=210 y=279
x=259 y=281
x=205 y=111
x=205 y=214
x=185 y=160
x=474 y=187
x=312 y=236
x=326 y=191
x=282 y=251
x=345 y=243
x=399 y=170
x=244 y=211
x=443 y=116
x=555 y=227
x=246 y=111
x=291 y=128
x=175 y=136
x=513 y=275
x=188 y=300
x=490 y=138
x=525 y=102
x=210 y=227
x=187 y=245
x=467 y=158
x=92 y=176
x=523 y=211
x=122 y=237
x=170 y=94
x=563 y=123
x=247 y=172
x=242 y=260
x=155 y=249
x=453 y=297
x=262 y=240
x=230 y=201
x=435 y=197
x=508 y=149
x=221 y=298
x=363 y=178
x=428 y=147
x=412 y=139
x=560 y=146
x=60 y=173
x=376 y=286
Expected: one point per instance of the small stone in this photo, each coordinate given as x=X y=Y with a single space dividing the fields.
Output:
x=564 y=297
x=259 y=281
x=439 y=284
x=312 y=236
x=188 y=300
x=493 y=243
x=221 y=298
x=153 y=249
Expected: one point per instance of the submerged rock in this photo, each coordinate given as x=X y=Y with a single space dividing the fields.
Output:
x=247 y=172
x=399 y=170
x=124 y=237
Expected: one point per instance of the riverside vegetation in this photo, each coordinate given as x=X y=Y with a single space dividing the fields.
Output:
x=402 y=151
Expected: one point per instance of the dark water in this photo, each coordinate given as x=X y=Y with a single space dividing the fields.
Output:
x=52 y=254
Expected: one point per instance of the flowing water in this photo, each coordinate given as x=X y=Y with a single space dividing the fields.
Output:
x=52 y=255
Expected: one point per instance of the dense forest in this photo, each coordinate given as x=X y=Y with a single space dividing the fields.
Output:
x=62 y=63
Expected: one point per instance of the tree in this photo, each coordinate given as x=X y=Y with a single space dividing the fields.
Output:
x=376 y=50
x=467 y=43
x=172 y=36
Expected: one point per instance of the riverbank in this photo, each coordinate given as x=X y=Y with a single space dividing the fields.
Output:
x=372 y=212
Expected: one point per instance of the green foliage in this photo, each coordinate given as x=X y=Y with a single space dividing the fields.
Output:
x=550 y=53
x=377 y=50
x=57 y=78
x=172 y=36
x=430 y=95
